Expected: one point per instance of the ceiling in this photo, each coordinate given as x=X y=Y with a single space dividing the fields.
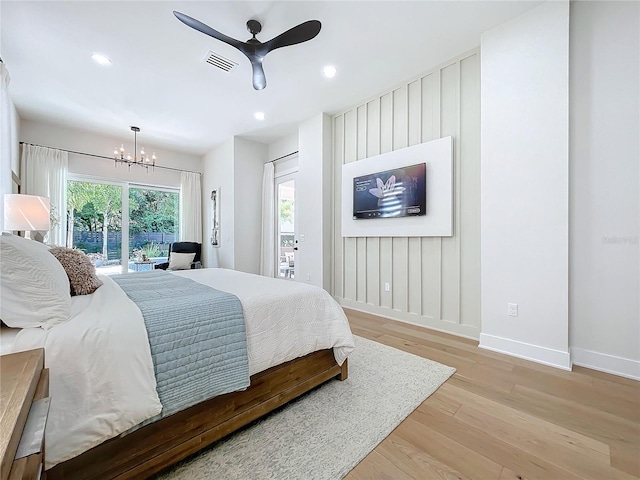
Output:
x=159 y=82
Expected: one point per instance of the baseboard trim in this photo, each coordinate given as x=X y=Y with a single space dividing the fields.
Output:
x=461 y=330
x=623 y=367
x=526 y=351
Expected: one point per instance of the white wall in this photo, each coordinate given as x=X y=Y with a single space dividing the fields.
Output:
x=10 y=156
x=313 y=197
x=249 y=161
x=525 y=184
x=55 y=136
x=604 y=316
x=236 y=168
x=15 y=141
x=284 y=146
x=218 y=172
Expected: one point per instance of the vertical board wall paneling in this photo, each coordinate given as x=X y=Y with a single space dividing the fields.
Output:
x=449 y=115
x=414 y=291
x=385 y=251
x=361 y=243
x=399 y=245
x=435 y=281
x=373 y=243
x=470 y=191
x=338 y=241
x=350 y=257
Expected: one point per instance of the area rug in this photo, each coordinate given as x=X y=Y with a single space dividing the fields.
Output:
x=325 y=433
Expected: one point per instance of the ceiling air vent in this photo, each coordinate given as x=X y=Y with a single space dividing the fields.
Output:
x=219 y=61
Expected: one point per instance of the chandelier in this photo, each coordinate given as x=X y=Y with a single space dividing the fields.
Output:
x=144 y=160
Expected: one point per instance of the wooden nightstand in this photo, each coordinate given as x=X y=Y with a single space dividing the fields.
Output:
x=24 y=406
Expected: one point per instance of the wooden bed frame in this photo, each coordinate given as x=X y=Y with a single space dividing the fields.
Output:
x=158 y=445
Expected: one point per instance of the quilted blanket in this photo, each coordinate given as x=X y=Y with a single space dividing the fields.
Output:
x=196 y=334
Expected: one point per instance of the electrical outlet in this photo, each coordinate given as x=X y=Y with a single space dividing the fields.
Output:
x=512 y=309
x=387 y=287
x=308 y=277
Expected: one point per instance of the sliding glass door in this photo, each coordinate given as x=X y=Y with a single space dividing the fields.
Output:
x=94 y=223
x=121 y=227
x=153 y=225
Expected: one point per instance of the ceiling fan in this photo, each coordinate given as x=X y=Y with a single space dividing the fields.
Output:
x=253 y=48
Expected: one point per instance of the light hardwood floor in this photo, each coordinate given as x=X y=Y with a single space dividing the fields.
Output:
x=503 y=418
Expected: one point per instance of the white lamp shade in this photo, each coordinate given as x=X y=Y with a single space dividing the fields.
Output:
x=26 y=212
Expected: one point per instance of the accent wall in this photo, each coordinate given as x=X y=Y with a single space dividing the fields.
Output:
x=433 y=281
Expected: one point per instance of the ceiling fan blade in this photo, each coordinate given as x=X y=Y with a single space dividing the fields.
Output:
x=303 y=32
x=259 y=80
x=207 y=30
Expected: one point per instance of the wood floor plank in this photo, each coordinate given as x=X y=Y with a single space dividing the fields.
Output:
x=607 y=377
x=585 y=419
x=626 y=459
x=541 y=428
x=446 y=404
x=508 y=474
x=445 y=358
x=377 y=467
x=500 y=452
x=586 y=466
x=415 y=462
x=500 y=417
x=448 y=451
x=602 y=399
x=365 y=332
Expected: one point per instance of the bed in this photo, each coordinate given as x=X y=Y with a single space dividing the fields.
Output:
x=99 y=426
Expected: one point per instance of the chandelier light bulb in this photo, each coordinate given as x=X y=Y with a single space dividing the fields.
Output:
x=142 y=159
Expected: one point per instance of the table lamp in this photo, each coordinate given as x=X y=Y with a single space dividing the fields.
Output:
x=28 y=213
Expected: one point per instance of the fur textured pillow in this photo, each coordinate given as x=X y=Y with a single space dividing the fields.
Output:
x=80 y=270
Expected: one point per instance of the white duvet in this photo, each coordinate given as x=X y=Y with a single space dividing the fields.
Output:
x=101 y=372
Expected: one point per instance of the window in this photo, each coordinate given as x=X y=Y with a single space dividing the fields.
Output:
x=121 y=227
x=153 y=223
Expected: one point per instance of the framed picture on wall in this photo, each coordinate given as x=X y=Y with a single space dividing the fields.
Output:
x=215 y=221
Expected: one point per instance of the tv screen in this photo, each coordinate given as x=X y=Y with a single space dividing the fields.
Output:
x=400 y=192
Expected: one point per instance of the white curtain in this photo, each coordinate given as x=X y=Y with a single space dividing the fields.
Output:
x=190 y=207
x=267 y=245
x=44 y=173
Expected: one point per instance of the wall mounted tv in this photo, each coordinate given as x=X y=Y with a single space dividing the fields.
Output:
x=400 y=192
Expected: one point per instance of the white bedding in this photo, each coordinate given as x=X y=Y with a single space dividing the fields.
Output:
x=101 y=372
x=101 y=378
x=284 y=319
x=7 y=338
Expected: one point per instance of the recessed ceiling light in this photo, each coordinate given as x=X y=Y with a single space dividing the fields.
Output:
x=259 y=115
x=329 y=71
x=101 y=59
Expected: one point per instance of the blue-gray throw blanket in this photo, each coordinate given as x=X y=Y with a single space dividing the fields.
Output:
x=197 y=337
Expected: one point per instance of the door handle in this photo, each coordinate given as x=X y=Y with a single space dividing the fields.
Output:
x=295 y=248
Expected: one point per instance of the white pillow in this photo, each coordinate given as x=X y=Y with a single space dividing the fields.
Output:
x=33 y=284
x=181 y=261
